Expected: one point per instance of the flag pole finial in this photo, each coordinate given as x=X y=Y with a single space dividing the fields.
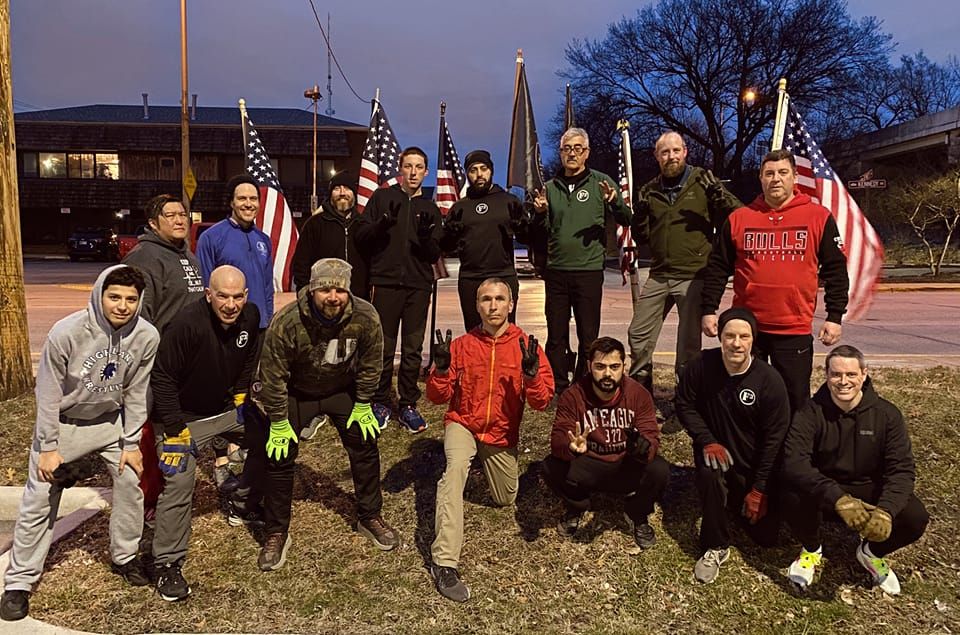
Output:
x=519 y=56
x=243 y=105
x=443 y=108
x=623 y=124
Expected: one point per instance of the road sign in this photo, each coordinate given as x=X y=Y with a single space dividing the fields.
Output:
x=867 y=182
x=190 y=183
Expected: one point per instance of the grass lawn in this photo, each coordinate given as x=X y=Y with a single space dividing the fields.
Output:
x=523 y=577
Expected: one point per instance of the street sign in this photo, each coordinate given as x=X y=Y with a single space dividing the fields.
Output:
x=64 y=210
x=867 y=182
x=190 y=183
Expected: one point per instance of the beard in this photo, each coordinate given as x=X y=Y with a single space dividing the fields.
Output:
x=342 y=204
x=606 y=385
x=673 y=170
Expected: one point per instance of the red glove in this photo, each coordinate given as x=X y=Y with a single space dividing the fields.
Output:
x=717 y=457
x=754 y=506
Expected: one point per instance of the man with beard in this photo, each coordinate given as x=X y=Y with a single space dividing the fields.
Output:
x=677 y=213
x=199 y=381
x=605 y=438
x=571 y=211
x=237 y=241
x=486 y=375
x=481 y=227
x=778 y=248
x=736 y=410
x=331 y=233
x=403 y=235
x=321 y=354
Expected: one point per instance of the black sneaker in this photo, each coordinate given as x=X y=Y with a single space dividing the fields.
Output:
x=15 y=605
x=171 y=585
x=274 y=552
x=570 y=523
x=133 y=572
x=449 y=584
x=239 y=514
x=643 y=533
x=226 y=480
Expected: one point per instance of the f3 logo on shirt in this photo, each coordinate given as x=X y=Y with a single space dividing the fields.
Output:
x=583 y=196
x=747 y=397
x=242 y=339
x=482 y=208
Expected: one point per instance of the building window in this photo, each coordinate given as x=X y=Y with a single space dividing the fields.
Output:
x=108 y=166
x=53 y=165
x=30 y=164
x=80 y=166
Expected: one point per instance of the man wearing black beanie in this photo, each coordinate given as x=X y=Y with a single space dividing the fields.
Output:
x=736 y=410
x=482 y=226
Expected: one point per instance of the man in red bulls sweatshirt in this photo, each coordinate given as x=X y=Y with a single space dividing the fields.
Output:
x=776 y=248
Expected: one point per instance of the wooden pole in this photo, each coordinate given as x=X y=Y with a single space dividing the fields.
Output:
x=780 y=121
x=16 y=373
x=184 y=113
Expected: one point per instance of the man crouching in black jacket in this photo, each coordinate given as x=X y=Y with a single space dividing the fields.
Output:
x=848 y=453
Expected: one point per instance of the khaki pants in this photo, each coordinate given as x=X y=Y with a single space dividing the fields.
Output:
x=500 y=467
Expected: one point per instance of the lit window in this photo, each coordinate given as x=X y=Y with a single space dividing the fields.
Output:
x=53 y=165
x=80 y=166
x=108 y=166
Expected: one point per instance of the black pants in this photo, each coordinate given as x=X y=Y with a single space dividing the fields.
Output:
x=582 y=291
x=402 y=309
x=719 y=490
x=804 y=514
x=278 y=482
x=641 y=484
x=792 y=357
x=467 y=289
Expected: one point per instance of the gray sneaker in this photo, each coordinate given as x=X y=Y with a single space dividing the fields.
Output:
x=570 y=523
x=313 y=427
x=448 y=583
x=708 y=566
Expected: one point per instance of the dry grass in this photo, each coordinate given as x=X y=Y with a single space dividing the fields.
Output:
x=523 y=577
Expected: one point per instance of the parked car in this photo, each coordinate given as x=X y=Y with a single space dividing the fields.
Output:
x=127 y=242
x=97 y=243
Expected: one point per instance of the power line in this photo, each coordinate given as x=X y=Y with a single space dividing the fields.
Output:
x=334 y=55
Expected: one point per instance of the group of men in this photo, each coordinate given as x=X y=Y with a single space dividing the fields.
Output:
x=220 y=366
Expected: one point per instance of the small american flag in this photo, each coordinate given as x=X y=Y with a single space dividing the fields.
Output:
x=450 y=176
x=628 y=249
x=274 y=217
x=861 y=244
x=378 y=166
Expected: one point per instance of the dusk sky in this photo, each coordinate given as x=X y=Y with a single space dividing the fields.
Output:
x=68 y=53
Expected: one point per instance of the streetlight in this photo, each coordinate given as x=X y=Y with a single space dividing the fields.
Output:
x=314 y=95
x=750 y=97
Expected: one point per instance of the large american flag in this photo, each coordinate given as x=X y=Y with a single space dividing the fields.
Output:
x=628 y=248
x=378 y=166
x=861 y=244
x=274 y=217
x=450 y=176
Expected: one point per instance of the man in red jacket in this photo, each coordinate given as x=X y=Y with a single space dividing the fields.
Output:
x=605 y=438
x=486 y=376
x=776 y=248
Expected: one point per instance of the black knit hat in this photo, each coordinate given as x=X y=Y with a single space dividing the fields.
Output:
x=478 y=156
x=344 y=178
x=737 y=313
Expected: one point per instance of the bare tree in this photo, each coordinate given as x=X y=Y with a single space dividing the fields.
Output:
x=930 y=206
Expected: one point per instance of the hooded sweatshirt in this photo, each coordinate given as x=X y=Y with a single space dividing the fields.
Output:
x=331 y=235
x=486 y=242
x=89 y=371
x=172 y=274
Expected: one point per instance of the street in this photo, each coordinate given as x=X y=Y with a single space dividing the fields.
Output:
x=912 y=329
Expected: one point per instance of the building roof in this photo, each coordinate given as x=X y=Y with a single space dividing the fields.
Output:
x=170 y=115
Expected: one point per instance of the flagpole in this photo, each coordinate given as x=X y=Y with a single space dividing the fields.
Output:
x=780 y=121
x=433 y=303
x=513 y=113
x=624 y=127
x=185 y=171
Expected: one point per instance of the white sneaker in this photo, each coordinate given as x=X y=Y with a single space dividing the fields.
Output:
x=881 y=573
x=804 y=568
x=708 y=566
x=314 y=426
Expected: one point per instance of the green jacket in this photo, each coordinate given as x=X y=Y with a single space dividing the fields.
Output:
x=681 y=233
x=301 y=354
x=574 y=224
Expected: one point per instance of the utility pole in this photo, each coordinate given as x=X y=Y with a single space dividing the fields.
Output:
x=314 y=94
x=189 y=182
x=329 y=110
x=16 y=373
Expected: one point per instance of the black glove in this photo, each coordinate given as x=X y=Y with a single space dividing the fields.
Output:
x=425 y=226
x=638 y=447
x=517 y=216
x=67 y=474
x=454 y=223
x=530 y=360
x=393 y=214
x=441 y=351
x=641 y=206
x=714 y=190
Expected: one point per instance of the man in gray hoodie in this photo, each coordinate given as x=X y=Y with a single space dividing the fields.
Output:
x=91 y=397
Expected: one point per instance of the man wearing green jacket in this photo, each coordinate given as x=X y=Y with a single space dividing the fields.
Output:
x=571 y=211
x=677 y=213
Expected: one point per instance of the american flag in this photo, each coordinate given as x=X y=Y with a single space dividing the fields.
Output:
x=628 y=249
x=274 y=217
x=378 y=166
x=861 y=244
x=450 y=176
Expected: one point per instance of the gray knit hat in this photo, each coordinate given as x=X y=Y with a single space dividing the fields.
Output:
x=330 y=272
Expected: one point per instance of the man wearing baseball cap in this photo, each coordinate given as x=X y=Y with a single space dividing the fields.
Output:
x=735 y=408
x=481 y=226
x=331 y=233
x=321 y=354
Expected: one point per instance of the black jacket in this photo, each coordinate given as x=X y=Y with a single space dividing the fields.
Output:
x=399 y=258
x=748 y=414
x=827 y=447
x=485 y=243
x=330 y=235
x=200 y=365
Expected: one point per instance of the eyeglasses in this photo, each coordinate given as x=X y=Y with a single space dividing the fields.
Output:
x=577 y=149
x=175 y=215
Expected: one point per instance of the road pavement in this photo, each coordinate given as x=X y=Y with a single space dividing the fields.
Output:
x=906 y=327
